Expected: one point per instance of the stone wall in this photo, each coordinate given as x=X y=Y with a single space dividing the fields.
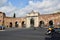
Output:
x=7 y=21
x=55 y=17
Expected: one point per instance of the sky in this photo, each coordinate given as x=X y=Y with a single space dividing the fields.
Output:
x=22 y=7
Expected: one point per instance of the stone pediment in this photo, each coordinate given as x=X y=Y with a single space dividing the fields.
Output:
x=32 y=14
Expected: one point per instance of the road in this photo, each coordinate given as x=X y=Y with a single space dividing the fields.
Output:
x=25 y=34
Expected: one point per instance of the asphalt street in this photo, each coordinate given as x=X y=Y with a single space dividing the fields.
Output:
x=27 y=34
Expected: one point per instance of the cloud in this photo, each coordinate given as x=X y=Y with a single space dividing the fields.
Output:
x=2 y=2
x=46 y=6
x=43 y=7
x=9 y=9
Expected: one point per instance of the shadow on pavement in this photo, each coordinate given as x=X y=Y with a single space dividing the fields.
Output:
x=53 y=36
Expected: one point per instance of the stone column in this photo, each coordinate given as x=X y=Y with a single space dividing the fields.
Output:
x=27 y=22
x=36 y=23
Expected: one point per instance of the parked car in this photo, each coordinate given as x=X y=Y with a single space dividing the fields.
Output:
x=2 y=27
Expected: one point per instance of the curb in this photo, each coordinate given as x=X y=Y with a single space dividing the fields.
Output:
x=2 y=30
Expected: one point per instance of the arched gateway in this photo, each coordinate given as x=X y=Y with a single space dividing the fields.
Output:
x=41 y=24
x=32 y=22
x=10 y=24
x=32 y=19
x=23 y=24
x=16 y=24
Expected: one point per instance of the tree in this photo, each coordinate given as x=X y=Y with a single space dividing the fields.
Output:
x=14 y=15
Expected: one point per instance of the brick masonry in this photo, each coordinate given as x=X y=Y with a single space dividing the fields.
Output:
x=6 y=21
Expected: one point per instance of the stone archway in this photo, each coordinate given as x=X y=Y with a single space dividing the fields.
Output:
x=23 y=24
x=32 y=22
x=50 y=22
x=16 y=24
x=41 y=24
x=10 y=24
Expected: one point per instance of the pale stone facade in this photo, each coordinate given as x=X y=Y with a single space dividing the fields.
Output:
x=33 y=18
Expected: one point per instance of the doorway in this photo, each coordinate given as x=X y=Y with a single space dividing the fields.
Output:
x=41 y=24
x=16 y=24
x=50 y=22
x=32 y=22
x=10 y=24
x=23 y=24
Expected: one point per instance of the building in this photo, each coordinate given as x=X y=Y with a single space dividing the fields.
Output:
x=33 y=19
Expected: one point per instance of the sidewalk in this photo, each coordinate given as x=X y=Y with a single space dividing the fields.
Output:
x=10 y=29
x=2 y=30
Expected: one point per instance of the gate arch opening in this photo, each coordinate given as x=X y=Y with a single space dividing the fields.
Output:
x=10 y=24
x=23 y=24
x=50 y=22
x=41 y=24
x=16 y=24
x=32 y=22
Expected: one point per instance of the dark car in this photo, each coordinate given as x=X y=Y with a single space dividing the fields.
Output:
x=2 y=27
